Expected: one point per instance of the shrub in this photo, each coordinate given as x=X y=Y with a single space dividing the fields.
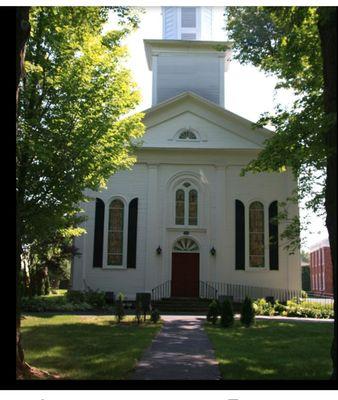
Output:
x=279 y=308
x=138 y=312
x=248 y=313
x=155 y=316
x=263 y=307
x=145 y=300
x=294 y=308
x=119 y=308
x=227 y=313
x=44 y=303
x=213 y=312
x=75 y=296
x=95 y=298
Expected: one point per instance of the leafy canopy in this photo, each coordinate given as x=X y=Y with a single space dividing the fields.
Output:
x=285 y=42
x=73 y=132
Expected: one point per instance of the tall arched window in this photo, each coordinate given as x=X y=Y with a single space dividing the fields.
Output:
x=193 y=207
x=256 y=234
x=186 y=205
x=180 y=195
x=115 y=233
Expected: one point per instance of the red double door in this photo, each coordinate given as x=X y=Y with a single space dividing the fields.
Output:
x=185 y=275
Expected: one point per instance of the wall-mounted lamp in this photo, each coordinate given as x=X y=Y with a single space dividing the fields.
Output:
x=213 y=251
x=159 y=250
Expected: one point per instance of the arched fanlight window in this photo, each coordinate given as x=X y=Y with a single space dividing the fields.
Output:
x=187 y=135
x=186 y=206
x=115 y=233
x=185 y=245
x=256 y=234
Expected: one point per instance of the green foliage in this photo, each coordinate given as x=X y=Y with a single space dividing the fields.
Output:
x=248 y=313
x=96 y=298
x=57 y=303
x=75 y=128
x=75 y=296
x=285 y=42
x=305 y=256
x=262 y=307
x=119 y=308
x=294 y=308
x=305 y=309
x=145 y=300
x=227 y=313
x=155 y=316
x=213 y=312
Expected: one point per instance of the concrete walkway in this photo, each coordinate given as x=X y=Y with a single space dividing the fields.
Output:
x=181 y=350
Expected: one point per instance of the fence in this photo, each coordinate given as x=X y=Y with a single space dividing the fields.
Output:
x=239 y=292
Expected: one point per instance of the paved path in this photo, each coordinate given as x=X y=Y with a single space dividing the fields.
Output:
x=181 y=350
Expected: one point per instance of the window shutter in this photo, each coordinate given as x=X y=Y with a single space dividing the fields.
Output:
x=188 y=17
x=98 y=234
x=132 y=233
x=188 y=36
x=273 y=236
x=169 y=22
x=240 y=236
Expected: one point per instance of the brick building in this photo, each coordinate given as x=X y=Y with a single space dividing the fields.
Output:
x=321 y=268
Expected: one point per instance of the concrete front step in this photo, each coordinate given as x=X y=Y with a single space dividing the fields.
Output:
x=183 y=304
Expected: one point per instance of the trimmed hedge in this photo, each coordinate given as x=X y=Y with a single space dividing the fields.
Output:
x=70 y=301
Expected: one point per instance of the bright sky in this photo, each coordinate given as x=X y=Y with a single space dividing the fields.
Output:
x=248 y=91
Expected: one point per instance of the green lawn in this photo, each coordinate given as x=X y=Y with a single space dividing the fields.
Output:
x=273 y=350
x=82 y=347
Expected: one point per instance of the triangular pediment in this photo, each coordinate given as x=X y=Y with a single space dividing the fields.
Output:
x=215 y=127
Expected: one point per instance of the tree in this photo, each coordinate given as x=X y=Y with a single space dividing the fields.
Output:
x=298 y=45
x=73 y=129
x=22 y=35
x=248 y=313
x=227 y=313
x=305 y=256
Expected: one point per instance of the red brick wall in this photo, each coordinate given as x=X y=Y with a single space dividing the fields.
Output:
x=321 y=271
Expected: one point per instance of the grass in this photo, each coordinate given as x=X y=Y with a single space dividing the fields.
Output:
x=85 y=347
x=273 y=350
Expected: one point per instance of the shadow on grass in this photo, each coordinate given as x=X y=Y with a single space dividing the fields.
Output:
x=94 y=349
x=273 y=350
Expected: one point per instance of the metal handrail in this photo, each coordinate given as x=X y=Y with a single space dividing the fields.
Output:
x=207 y=291
x=161 y=291
x=238 y=291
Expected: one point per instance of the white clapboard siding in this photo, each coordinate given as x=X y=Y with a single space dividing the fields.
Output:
x=206 y=23
x=170 y=30
x=198 y=73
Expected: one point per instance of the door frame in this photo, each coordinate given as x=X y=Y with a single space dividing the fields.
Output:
x=185 y=252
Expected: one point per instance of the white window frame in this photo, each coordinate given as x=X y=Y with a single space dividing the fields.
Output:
x=196 y=30
x=186 y=204
x=125 y=233
x=247 y=236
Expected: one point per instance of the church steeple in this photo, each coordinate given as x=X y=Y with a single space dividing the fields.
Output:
x=187 y=23
x=186 y=59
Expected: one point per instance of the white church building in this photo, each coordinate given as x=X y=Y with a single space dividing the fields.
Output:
x=183 y=218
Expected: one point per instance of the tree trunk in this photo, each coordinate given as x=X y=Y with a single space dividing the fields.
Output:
x=327 y=26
